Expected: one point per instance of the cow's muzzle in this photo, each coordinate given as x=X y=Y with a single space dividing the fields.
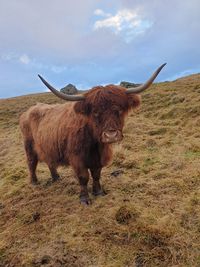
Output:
x=112 y=136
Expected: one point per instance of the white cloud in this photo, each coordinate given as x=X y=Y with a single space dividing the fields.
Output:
x=24 y=59
x=33 y=62
x=126 y=23
x=8 y=56
x=100 y=12
x=15 y=57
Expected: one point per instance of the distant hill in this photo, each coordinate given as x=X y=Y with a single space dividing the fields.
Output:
x=151 y=214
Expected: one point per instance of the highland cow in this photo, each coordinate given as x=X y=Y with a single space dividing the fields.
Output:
x=79 y=134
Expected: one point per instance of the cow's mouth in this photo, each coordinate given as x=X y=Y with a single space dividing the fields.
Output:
x=111 y=136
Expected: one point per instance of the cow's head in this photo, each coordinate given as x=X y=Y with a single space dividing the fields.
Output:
x=106 y=107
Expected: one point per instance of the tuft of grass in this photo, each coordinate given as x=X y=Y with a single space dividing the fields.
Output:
x=124 y=215
x=159 y=131
x=14 y=174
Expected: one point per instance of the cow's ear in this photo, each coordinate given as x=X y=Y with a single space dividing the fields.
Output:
x=134 y=101
x=82 y=107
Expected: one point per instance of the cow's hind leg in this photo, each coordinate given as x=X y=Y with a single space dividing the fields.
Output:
x=54 y=174
x=97 y=189
x=32 y=160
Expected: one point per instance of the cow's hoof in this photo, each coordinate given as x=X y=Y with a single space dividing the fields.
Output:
x=99 y=193
x=85 y=201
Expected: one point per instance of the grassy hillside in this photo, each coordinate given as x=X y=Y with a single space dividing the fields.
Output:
x=151 y=215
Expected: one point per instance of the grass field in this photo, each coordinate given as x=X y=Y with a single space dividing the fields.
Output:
x=151 y=214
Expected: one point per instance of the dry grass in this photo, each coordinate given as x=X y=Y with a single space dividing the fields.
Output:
x=151 y=215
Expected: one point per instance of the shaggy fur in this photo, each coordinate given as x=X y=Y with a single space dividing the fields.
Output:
x=71 y=134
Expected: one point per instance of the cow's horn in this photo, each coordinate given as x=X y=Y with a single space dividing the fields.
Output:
x=60 y=94
x=140 y=88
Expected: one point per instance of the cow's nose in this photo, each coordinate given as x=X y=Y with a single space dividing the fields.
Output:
x=110 y=134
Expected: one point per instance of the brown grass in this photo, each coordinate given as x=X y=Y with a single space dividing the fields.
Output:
x=151 y=215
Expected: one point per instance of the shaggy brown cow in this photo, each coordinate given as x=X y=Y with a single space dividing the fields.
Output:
x=78 y=134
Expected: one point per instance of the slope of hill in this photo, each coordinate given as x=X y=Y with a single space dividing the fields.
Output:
x=151 y=215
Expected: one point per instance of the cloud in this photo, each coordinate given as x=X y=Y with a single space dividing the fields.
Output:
x=24 y=59
x=13 y=57
x=33 y=63
x=8 y=57
x=125 y=22
x=100 y=12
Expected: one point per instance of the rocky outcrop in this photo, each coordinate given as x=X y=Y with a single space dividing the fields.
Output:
x=70 y=89
x=128 y=84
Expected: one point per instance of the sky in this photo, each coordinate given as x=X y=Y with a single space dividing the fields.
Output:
x=93 y=42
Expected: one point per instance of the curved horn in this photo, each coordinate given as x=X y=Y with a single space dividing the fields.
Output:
x=140 y=88
x=60 y=94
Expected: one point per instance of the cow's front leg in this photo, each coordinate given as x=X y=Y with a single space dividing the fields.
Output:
x=84 y=196
x=83 y=178
x=96 y=175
